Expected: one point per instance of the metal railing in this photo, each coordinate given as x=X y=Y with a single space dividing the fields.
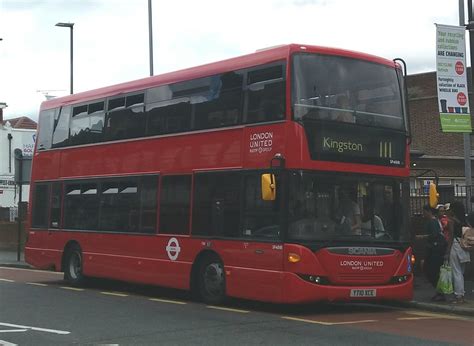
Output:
x=447 y=194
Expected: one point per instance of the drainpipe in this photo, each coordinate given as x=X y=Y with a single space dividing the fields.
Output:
x=10 y=137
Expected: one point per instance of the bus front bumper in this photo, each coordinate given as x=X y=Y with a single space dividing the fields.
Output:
x=297 y=290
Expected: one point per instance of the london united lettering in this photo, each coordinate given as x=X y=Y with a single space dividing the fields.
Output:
x=261 y=142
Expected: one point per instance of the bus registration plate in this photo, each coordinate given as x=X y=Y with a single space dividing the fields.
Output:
x=364 y=293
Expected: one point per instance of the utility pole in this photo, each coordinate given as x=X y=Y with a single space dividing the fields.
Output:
x=467 y=136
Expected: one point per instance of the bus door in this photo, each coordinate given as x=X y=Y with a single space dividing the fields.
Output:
x=261 y=251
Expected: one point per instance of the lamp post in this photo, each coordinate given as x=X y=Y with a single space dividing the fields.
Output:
x=150 y=36
x=70 y=26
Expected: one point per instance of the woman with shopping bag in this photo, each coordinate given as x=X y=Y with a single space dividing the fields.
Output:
x=435 y=250
x=458 y=257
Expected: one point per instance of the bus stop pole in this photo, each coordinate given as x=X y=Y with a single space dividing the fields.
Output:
x=466 y=136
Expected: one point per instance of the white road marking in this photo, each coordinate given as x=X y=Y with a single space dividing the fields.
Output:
x=326 y=323
x=227 y=309
x=115 y=294
x=36 y=284
x=6 y=280
x=62 y=332
x=71 y=288
x=6 y=343
x=167 y=301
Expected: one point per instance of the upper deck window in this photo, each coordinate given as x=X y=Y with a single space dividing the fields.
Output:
x=87 y=123
x=61 y=127
x=126 y=117
x=339 y=89
x=46 y=123
x=265 y=94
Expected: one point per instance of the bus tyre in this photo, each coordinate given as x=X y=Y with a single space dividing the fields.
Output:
x=73 y=266
x=211 y=280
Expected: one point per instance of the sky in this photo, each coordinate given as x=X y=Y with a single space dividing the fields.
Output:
x=111 y=37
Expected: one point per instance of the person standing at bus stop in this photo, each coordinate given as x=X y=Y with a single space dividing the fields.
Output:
x=457 y=256
x=435 y=249
x=443 y=219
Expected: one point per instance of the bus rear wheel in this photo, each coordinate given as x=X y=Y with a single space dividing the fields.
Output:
x=73 y=266
x=211 y=280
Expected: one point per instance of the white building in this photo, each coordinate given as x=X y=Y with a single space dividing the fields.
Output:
x=17 y=133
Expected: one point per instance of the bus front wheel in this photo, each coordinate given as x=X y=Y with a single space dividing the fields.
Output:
x=212 y=280
x=73 y=266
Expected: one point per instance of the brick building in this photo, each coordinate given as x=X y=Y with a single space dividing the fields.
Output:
x=431 y=148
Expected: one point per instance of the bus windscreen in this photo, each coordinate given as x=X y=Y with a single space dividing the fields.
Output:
x=346 y=90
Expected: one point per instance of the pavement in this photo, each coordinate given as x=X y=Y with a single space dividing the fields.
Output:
x=423 y=291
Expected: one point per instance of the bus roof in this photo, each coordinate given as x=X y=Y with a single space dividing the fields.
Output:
x=261 y=56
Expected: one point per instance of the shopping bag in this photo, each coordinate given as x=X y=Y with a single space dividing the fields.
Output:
x=445 y=282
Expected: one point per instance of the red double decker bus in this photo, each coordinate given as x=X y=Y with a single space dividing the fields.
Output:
x=278 y=176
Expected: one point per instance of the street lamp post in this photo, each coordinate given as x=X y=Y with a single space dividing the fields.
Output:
x=70 y=26
x=150 y=37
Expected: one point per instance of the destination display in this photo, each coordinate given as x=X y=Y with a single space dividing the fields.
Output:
x=348 y=143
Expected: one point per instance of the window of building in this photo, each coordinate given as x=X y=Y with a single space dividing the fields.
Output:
x=266 y=94
x=45 y=127
x=81 y=206
x=261 y=218
x=61 y=127
x=216 y=207
x=175 y=204
x=56 y=203
x=126 y=117
x=40 y=205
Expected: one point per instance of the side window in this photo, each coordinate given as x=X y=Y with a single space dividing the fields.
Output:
x=96 y=114
x=45 y=128
x=148 y=200
x=126 y=117
x=87 y=123
x=40 y=205
x=81 y=206
x=169 y=109
x=56 y=203
x=266 y=94
x=79 y=125
x=119 y=205
x=221 y=103
x=216 y=207
x=61 y=128
x=175 y=204
x=261 y=218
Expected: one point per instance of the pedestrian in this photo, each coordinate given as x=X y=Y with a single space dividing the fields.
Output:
x=443 y=219
x=435 y=249
x=458 y=257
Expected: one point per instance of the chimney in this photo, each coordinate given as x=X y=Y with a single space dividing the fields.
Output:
x=2 y=105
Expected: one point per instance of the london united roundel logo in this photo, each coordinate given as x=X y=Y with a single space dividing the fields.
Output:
x=173 y=249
